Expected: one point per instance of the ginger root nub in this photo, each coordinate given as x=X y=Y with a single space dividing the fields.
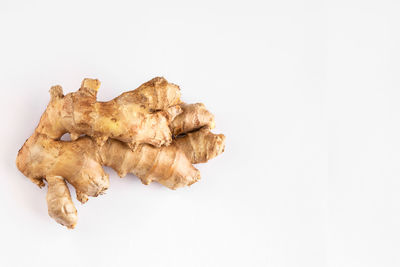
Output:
x=201 y=145
x=59 y=202
x=193 y=117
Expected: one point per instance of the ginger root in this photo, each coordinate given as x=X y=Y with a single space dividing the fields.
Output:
x=150 y=153
x=201 y=145
x=193 y=118
x=59 y=202
x=139 y=116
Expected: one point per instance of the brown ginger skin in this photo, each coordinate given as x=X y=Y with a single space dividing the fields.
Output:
x=139 y=116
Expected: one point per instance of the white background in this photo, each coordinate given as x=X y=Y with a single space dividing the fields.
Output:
x=307 y=93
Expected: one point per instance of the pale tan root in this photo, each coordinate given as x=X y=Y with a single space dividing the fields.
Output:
x=78 y=162
x=198 y=143
x=139 y=116
x=146 y=115
x=59 y=202
x=193 y=117
x=201 y=145
x=170 y=166
x=165 y=165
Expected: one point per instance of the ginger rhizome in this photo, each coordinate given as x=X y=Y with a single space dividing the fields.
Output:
x=139 y=116
x=147 y=132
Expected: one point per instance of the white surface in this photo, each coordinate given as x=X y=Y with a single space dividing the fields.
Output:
x=306 y=92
